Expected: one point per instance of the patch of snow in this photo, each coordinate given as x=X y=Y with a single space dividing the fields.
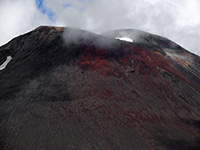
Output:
x=124 y=39
x=3 y=66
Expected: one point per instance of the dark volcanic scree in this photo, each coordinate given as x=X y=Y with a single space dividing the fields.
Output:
x=72 y=89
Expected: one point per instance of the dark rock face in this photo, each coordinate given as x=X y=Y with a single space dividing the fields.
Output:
x=95 y=92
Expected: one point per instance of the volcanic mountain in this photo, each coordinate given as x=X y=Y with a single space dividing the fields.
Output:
x=65 y=88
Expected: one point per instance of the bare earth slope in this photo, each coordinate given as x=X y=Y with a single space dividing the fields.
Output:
x=95 y=92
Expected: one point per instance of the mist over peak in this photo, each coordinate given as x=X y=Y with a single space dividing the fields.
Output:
x=177 y=20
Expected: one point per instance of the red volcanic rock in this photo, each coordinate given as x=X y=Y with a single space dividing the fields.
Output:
x=71 y=89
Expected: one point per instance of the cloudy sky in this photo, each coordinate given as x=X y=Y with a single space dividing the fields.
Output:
x=178 y=20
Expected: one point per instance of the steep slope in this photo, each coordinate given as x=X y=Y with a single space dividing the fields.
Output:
x=71 y=89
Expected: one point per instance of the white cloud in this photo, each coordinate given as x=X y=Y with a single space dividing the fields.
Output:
x=18 y=17
x=175 y=19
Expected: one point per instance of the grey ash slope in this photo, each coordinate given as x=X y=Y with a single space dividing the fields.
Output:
x=72 y=89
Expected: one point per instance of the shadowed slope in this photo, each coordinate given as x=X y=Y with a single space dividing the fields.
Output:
x=96 y=92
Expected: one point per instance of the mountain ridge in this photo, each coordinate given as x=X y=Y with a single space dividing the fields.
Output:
x=67 y=88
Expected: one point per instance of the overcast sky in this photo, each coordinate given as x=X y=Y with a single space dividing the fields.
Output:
x=178 y=20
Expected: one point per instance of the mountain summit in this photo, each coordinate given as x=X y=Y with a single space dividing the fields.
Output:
x=65 y=88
